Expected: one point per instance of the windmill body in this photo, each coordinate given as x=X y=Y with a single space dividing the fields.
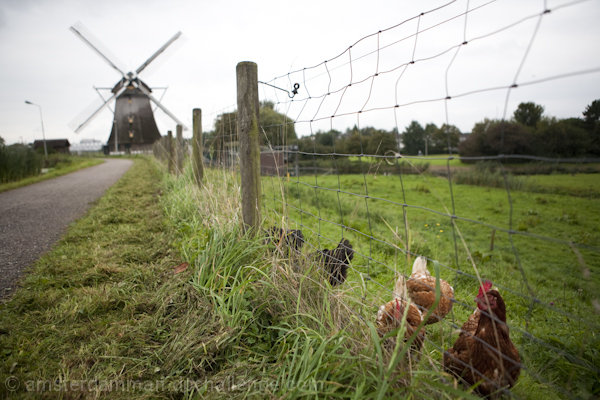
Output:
x=134 y=127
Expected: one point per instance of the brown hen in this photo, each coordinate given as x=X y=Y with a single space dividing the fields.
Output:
x=421 y=290
x=390 y=317
x=483 y=351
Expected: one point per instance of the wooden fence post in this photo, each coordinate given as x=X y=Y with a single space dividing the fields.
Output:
x=170 y=151
x=197 y=146
x=247 y=129
x=179 y=150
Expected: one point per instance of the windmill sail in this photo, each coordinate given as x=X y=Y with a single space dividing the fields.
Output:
x=134 y=126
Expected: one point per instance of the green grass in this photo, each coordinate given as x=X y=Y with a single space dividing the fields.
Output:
x=292 y=336
x=104 y=307
x=582 y=185
x=103 y=315
x=552 y=332
x=65 y=166
x=433 y=159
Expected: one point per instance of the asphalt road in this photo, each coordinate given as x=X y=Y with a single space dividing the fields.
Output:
x=34 y=217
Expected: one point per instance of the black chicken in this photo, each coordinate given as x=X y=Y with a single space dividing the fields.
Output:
x=336 y=262
x=292 y=239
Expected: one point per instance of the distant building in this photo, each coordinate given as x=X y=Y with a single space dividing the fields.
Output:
x=87 y=146
x=53 y=145
x=272 y=163
x=276 y=160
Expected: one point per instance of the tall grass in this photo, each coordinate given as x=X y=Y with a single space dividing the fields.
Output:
x=17 y=162
x=489 y=174
x=290 y=335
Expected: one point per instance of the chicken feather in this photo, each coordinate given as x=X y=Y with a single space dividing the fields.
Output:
x=390 y=316
x=483 y=352
x=421 y=290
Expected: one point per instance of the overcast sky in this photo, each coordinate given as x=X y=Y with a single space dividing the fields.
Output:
x=45 y=63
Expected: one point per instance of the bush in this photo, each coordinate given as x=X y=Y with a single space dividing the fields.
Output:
x=56 y=160
x=346 y=166
x=488 y=174
x=18 y=161
x=548 y=138
x=491 y=138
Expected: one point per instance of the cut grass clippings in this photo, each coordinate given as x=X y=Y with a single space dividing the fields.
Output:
x=103 y=313
x=76 y=163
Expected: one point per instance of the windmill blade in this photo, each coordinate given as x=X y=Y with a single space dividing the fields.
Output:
x=164 y=91
x=97 y=89
x=87 y=37
x=91 y=117
x=157 y=53
x=169 y=113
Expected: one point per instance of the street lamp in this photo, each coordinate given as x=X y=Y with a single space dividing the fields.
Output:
x=43 y=133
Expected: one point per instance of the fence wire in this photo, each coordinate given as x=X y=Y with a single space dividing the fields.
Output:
x=477 y=217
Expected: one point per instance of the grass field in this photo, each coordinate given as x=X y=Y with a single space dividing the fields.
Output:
x=551 y=287
x=113 y=311
x=67 y=165
x=582 y=185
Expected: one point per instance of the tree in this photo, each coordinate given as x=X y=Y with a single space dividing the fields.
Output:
x=353 y=141
x=528 y=114
x=430 y=130
x=446 y=135
x=380 y=141
x=563 y=138
x=320 y=142
x=277 y=129
x=592 y=121
x=225 y=132
x=327 y=139
x=592 y=113
x=413 y=138
x=494 y=137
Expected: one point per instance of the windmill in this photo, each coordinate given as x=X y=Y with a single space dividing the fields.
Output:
x=134 y=127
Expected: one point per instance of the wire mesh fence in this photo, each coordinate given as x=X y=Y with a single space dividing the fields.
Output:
x=335 y=167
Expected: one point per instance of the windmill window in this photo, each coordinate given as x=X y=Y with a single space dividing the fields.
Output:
x=131 y=134
x=130 y=119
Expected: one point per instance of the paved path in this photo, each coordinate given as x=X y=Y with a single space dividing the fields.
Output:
x=34 y=217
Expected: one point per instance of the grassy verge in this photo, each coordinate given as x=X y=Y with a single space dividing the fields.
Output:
x=103 y=313
x=288 y=334
x=73 y=164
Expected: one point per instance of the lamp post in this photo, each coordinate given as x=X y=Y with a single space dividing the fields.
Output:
x=43 y=133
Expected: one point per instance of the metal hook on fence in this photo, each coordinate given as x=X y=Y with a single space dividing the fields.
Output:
x=391 y=153
x=290 y=94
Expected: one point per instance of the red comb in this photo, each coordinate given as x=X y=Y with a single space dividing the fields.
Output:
x=484 y=288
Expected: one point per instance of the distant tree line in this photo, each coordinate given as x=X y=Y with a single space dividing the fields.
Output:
x=430 y=139
x=529 y=132
x=368 y=140
x=276 y=129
